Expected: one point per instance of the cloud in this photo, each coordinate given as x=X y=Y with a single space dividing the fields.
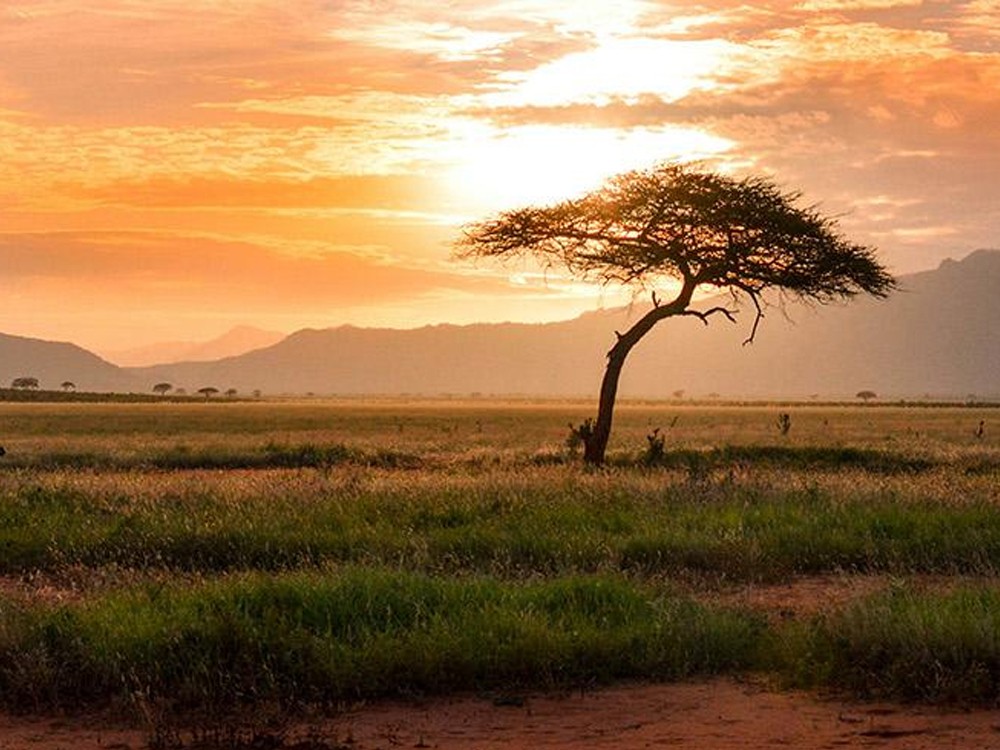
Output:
x=617 y=69
x=442 y=39
x=208 y=273
x=120 y=288
x=845 y=5
x=330 y=145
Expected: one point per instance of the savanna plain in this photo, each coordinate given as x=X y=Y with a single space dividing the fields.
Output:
x=375 y=573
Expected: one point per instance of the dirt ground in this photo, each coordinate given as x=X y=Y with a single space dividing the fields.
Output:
x=717 y=714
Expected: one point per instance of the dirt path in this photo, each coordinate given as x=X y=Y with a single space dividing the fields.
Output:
x=719 y=714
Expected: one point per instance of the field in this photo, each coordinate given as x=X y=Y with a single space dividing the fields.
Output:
x=176 y=563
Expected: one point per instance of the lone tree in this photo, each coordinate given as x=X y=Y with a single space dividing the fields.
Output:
x=23 y=383
x=866 y=396
x=696 y=228
x=68 y=385
x=162 y=389
x=208 y=391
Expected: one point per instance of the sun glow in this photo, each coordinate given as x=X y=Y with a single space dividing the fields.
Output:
x=497 y=169
x=507 y=155
x=619 y=70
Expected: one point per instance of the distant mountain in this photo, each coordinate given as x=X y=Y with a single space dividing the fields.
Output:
x=939 y=336
x=54 y=363
x=239 y=340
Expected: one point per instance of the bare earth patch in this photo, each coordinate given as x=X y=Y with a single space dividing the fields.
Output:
x=718 y=714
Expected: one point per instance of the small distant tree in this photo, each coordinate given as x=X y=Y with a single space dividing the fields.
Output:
x=256 y=393
x=162 y=389
x=695 y=228
x=24 y=383
x=231 y=392
x=784 y=423
x=68 y=385
x=866 y=396
x=208 y=391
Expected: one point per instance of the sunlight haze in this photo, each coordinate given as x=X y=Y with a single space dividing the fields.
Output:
x=170 y=170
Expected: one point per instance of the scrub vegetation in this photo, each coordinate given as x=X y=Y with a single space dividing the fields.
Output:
x=171 y=558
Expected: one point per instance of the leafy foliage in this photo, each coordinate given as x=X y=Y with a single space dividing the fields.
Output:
x=674 y=221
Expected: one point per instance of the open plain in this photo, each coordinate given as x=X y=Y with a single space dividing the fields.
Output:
x=446 y=573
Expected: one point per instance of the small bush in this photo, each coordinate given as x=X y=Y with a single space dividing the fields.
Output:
x=655 y=448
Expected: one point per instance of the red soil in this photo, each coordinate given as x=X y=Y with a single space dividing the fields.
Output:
x=719 y=714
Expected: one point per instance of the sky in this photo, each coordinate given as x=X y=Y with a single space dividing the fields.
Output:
x=170 y=169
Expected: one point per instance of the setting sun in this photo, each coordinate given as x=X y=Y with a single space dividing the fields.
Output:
x=543 y=164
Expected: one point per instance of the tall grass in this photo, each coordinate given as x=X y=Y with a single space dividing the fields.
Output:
x=544 y=521
x=935 y=647
x=359 y=632
x=235 y=554
x=321 y=637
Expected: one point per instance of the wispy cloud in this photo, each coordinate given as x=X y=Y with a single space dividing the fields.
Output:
x=157 y=131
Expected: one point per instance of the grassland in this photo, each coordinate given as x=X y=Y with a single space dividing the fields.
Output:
x=171 y=556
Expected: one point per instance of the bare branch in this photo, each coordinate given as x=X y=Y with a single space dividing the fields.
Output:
x=704 y=316
x=757 y=318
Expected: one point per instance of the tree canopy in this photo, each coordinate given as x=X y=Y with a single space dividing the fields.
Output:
x=692 y=226
x=699 y=227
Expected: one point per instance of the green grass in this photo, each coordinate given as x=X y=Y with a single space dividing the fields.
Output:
x=904 y=644
x=324 y=637
x=230 y=554
x=554 y=520
x=359 y=633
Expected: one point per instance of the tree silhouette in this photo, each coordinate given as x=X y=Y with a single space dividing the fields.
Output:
x=208 y=391
x=866 y=396
x=696 y=228
x=24 y=383
x=68 y=385
x=162 y=389
x=231 y=392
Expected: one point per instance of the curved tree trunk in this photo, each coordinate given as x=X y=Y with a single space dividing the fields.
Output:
x=596 y=443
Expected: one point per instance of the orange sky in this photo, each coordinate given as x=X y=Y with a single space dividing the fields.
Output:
x=172 y=168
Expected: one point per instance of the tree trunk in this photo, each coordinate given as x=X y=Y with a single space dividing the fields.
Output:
x=596 y=444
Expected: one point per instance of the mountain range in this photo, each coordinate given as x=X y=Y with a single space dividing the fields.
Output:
x=938 y=336
x=236 y=341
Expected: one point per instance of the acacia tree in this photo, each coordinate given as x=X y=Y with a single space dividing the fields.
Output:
x=695 y=228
